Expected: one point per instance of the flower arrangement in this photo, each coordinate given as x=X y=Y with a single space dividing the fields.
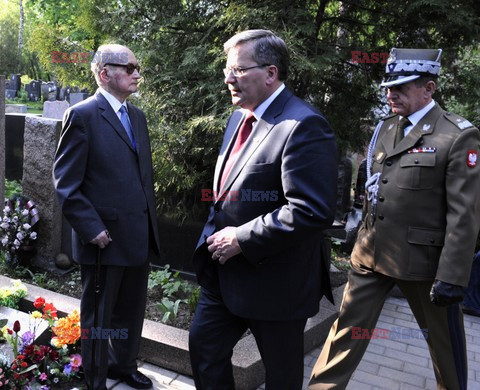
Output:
x=19 y=216
x=10 y=296
x=42 y=367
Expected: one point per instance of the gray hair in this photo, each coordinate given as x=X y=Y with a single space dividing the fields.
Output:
x=110 y=53
x=267 y=49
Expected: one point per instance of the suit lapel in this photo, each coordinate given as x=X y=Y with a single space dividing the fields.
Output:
x=111 y=117
x=423 y=127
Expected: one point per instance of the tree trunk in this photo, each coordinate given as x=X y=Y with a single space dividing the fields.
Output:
x=20 y=36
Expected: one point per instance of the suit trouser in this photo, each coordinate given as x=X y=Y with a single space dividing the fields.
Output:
x=214 y=333
x=121 y=309
x=362 y=303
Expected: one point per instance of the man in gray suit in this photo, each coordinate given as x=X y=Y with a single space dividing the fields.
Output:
x=104 y=182
x=261 y=259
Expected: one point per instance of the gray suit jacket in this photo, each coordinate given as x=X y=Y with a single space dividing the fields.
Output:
x=103 y=183
x=281 y=196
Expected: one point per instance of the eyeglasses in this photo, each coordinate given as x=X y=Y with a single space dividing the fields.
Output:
x=129 y=67
x=239 y=72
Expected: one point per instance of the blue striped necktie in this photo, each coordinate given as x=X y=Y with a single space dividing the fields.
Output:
x=126 y=124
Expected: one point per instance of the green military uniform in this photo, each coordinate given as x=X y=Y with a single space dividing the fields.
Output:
x=420 y=224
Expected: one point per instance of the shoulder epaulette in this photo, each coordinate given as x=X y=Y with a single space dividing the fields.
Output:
x=458 y=121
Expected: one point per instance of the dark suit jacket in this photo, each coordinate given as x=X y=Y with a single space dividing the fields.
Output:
x=281 y=195
x=428 y=208
x=103 y=183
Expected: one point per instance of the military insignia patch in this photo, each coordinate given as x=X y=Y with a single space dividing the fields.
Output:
x=426 y=127
x=391 y=126
x=472 y=158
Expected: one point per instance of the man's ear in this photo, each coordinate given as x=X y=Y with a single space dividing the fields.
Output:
x=430 y=88
x=272 y=74
x=104 y=76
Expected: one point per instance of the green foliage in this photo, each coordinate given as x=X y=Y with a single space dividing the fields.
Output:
x=175 y=291
x=169 y=308
x=9 y=32
x=12 y=187
x=10 y=295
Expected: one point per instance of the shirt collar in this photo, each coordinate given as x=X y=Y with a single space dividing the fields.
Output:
x=112 y=100
x=417 y=116
x=260 y=110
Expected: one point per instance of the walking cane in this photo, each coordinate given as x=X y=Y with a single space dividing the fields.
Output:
x=95 y=319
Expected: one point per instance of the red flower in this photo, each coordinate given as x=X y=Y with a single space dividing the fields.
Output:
x=54 y=355
x=39 y=302
x=24 y=364
x=16 y=326
x=20 y=357
x=50 y=310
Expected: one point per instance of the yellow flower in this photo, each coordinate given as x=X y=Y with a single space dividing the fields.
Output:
x=5 y=292
x=4 y=331
x=17 y=283
x=56 y=342
x=36 y=314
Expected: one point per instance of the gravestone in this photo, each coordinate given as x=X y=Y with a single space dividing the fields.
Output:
x=10 y=93
x=49 y=91
x=77 y=97
x=54 y=110
x=16 y=108
x=34 y=90
x=14 y=128
x=40 y=142
x=15 y=82
x=2 y=142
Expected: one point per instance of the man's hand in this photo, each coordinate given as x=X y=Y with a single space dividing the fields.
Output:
x=223 y=244
x=445 y=294
x=102 y=240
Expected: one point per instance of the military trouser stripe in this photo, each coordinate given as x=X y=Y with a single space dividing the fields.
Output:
x=457 y=339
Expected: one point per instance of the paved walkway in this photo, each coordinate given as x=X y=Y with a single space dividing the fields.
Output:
x=388 y=363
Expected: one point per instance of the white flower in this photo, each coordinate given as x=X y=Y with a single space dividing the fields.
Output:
x=4 y=241
x=33 y=235
x=4 y=225
x=20 y=236
x=15 y=219
x=16 y=243
x=25 y=212
x=6 y=209
x=6 y=219
x=26 y=226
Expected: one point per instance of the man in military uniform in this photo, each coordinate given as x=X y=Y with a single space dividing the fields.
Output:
x=421 y=218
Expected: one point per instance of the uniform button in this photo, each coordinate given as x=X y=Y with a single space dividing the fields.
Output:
x=416 y=161
x=380 y=217
x=381 y=198
x=385 y=180
x=388 y=163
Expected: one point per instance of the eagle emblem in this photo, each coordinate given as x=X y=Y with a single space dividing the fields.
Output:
x=472 y=158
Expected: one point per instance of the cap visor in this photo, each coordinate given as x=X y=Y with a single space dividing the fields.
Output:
x=399 y=80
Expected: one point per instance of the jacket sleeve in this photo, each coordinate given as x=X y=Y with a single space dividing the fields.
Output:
x=309 y=182
x=69 y=172
x=463 y=210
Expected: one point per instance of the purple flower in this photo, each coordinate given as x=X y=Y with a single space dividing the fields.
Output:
x=27 y=339
x=67 y=369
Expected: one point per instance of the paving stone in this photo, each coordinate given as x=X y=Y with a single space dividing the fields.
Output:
x=375 y=381
x=407 y=357
x=387 y=343
x=355 y=385
x=397 y=314
x=402 y=376
x=418 y=370
x=419 y=351
x=370 y=367
x=385 y=361
x=386 y=318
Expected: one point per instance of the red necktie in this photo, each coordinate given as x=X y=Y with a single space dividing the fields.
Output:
x=242 y=136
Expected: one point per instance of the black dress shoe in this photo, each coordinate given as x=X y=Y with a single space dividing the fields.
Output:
x=137 y=380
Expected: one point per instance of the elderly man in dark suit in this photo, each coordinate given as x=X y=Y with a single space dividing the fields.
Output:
x=261 y=260
x=104 y=182
x=421 y=218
